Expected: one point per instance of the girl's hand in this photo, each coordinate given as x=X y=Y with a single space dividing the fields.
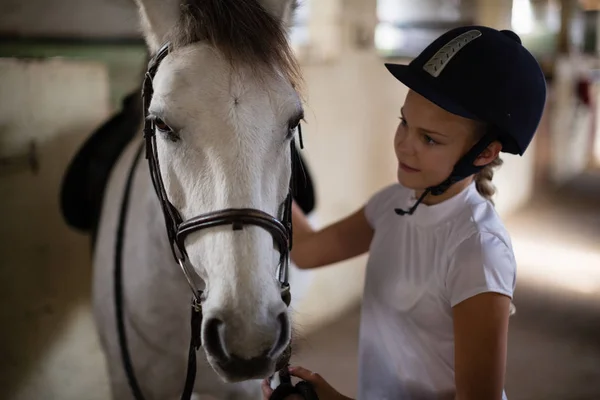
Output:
x=323 y=389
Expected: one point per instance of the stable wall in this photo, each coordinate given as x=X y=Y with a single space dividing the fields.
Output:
x=47 y=336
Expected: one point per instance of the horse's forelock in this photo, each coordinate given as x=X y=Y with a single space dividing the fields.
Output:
x=242 y=30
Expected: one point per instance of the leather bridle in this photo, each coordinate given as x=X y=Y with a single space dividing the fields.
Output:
x=178 y=229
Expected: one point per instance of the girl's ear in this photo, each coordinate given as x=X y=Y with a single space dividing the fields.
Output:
x=489 y=154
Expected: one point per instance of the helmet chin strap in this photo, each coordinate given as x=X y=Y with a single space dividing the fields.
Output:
x=463 y=168
x=411 y=210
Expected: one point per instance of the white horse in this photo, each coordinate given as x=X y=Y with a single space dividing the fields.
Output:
x=225 y=106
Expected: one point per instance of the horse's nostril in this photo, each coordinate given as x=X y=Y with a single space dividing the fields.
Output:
x=213 y=338
x=239 y=353
x=283 y=337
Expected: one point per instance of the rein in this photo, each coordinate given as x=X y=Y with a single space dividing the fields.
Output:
x=196 y=317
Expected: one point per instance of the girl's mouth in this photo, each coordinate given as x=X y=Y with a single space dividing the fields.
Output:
x=406 y=168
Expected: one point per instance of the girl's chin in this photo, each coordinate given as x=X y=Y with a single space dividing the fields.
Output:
x=410 y=182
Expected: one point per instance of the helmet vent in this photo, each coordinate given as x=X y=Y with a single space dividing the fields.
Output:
x=442 y=57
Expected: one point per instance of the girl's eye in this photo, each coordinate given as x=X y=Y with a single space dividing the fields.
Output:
x=403 y=121
x=429 y=140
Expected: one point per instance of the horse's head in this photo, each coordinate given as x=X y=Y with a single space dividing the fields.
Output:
x=225 y=109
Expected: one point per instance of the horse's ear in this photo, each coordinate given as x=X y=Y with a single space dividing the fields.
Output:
x=157 y=19
x=283 y=10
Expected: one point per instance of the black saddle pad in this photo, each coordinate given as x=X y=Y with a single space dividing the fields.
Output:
x=85 y=180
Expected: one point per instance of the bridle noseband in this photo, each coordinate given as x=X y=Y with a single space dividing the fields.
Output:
x=178 y=229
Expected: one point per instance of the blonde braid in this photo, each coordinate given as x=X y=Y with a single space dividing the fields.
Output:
x=483 y=179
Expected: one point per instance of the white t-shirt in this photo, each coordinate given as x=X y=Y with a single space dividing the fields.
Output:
x=420 y=266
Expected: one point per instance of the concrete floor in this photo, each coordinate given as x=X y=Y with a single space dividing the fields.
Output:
x=51 y=350
x=554 y=338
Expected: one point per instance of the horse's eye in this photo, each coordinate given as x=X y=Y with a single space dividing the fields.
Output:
x=292 y=126
x=161 y=126
x=166 y=130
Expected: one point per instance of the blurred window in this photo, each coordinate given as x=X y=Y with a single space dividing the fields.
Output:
x=300 y=32
x=406 y=27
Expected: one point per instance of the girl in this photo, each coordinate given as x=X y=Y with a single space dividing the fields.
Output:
x=441 y=271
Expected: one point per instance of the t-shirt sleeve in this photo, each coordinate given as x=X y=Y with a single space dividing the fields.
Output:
x=378 y=204
x=481 y=263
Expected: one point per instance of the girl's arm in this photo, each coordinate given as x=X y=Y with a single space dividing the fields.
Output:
x=480 y=339
x=340 y=241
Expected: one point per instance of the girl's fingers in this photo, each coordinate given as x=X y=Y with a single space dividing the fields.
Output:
x=306 y=375
x=266 y=389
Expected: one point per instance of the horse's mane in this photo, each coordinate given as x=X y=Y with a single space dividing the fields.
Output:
x=241 y=29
